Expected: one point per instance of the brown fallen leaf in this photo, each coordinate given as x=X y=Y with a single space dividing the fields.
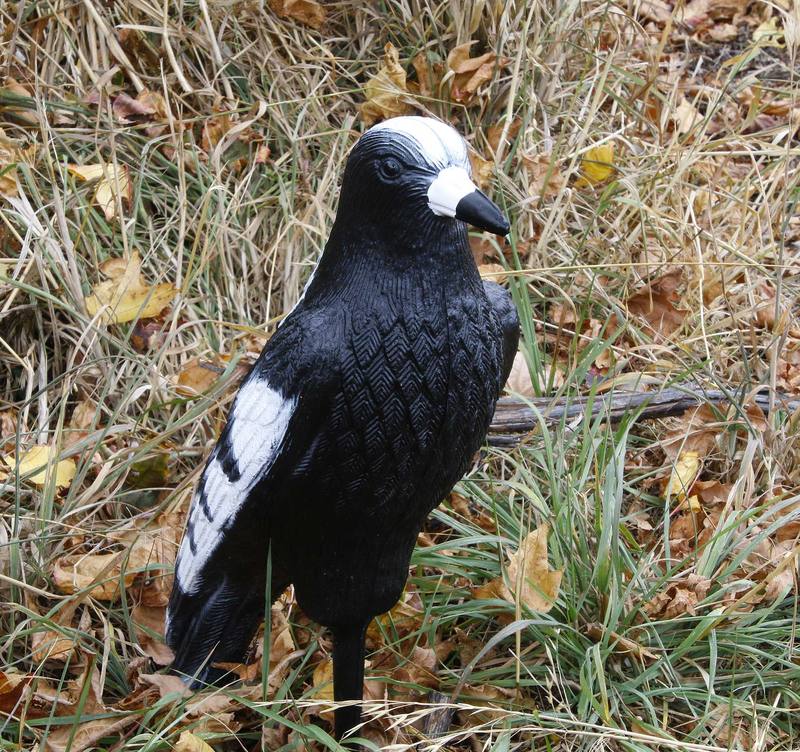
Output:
x=655 y=304
x=306 y=12
x=103 y=574
x=482 y=170
x=42 y=461
x=148 y=624
x=11 y=154
x=50 y=645
x=125 y=296
x=166 y=684
x=12 y=687
x=127 y=109
x=530 y=578
x=680 y=598
x=386 y=92
x=470 y=73
x=495 y=272
x=546 y=179
x=597 y=165
x=87 y=734
x=23 y=112
x=404 y=617
x=197 y=377
x=113 y=183
x=495 y=133
x=694 y=431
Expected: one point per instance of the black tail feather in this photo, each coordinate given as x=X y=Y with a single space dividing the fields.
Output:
x=213 y=626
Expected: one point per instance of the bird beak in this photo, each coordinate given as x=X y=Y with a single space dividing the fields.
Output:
x=453 y=194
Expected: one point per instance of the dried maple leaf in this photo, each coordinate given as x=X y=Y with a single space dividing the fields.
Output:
x=113 y=188
x=529 y=574
x=597 y=165
x=470 y=72
x=306 y=12
x=386 y=92
x=125 y=296
x=42 y=461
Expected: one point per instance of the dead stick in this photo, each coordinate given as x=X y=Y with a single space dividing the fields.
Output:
x=514 y=416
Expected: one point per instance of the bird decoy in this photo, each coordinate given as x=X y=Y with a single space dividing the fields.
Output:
x=364 y=409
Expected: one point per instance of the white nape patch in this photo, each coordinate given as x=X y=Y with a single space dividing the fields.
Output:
x=256 y=430
x=449 y=187
x=440 y=144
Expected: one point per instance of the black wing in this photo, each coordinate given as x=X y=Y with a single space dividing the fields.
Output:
x=218 y=598
x=506 y=312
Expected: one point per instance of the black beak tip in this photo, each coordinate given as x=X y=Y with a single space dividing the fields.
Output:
x=477 y=210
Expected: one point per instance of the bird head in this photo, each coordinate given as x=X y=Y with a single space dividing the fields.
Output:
x=416 y=169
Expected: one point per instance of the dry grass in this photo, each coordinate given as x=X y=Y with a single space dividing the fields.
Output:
x=684 y=264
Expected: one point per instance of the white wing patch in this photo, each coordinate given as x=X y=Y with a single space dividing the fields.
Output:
x=255 y=431
x=441 y=144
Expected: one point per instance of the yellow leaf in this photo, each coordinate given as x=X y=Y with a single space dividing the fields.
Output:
x=41 y=461
x=125 y=295
x=597 y=165
x=9 y=156
x=530 y=575
x=769 y=35
x=188 y=742
x=307 y=12
x=87 y=172
x=386 y=91
x=323 y=680
x=114 y=182
x=530 y=578
x=683 y=474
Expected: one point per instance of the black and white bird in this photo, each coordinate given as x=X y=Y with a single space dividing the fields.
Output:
x=364 y=409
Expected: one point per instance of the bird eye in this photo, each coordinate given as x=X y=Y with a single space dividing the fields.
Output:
x=390 y=168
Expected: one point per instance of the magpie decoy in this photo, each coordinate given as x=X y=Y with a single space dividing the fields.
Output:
x=363 y=410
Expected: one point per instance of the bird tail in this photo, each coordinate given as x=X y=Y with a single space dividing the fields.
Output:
x=214 y=625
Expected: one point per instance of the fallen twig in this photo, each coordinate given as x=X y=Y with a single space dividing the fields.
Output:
x=515 y=417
